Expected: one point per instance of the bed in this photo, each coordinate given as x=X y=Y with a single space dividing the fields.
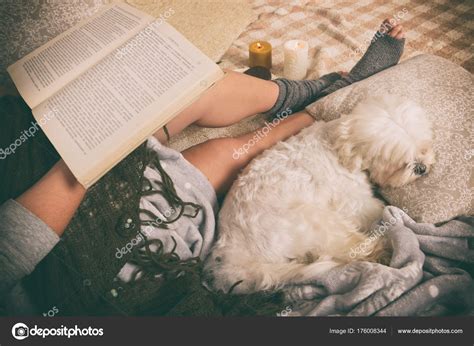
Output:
x=338 y=31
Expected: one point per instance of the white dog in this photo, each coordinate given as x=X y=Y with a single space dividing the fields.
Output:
x=300 y=207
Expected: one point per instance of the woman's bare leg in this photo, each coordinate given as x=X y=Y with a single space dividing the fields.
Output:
x=57 y=195
x=216 y=158
x=230 y=100
x=237 y=95
x=55 y=198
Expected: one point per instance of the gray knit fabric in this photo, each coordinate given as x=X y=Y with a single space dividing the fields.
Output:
x=427 y=276
x=24 y=241
x=383 y=52
x=294 y=95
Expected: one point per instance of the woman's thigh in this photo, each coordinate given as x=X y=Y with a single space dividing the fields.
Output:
x=222 y=159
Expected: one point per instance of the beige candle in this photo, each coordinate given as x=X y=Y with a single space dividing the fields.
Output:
x=296 y=59
x=260 y=54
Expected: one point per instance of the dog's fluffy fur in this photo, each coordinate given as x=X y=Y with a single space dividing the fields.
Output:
x=300 y=207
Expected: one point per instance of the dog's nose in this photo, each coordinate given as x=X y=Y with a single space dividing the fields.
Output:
x=420 y=169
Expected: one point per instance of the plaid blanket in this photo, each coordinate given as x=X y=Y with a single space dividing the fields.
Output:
x=338 y=31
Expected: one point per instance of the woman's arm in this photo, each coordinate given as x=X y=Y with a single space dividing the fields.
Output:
x=32 y=224
x=55 y=198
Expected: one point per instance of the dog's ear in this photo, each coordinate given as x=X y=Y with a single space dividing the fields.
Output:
x=347 y=151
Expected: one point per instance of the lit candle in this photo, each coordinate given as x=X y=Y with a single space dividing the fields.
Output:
x=260 y=54
x=296 y=59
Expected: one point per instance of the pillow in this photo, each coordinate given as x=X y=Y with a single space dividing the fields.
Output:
x=445 y=91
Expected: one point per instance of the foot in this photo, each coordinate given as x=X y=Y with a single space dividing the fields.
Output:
x=395 y=31
x=384 y=51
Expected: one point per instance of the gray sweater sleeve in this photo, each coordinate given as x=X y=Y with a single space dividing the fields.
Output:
x=24 y=241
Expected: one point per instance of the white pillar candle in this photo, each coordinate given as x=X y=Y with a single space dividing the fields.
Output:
x=296 y=59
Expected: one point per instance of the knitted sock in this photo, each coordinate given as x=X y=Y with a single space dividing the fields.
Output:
x=294 y=95
x=384 y=52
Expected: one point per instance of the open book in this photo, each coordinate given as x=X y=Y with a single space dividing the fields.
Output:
x=101 y=88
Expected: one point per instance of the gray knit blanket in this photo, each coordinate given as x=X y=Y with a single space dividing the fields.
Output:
x=428 y=275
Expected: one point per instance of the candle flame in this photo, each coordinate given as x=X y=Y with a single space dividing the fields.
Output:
x=259 y=45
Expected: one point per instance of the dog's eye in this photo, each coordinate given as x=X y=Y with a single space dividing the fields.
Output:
x=419 y=168
x=218 y=259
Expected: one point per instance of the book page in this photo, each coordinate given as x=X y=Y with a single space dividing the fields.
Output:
x=49 y=68
x=100 y=117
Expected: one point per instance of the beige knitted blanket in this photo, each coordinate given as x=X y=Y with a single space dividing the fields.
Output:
x=338 y=31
